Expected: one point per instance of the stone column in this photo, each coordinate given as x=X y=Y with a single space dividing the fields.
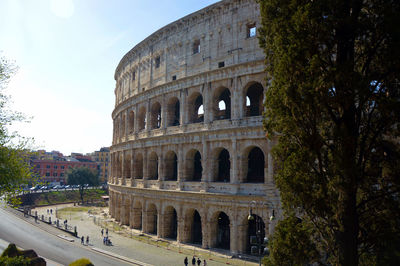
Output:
x=145 y=164
x=184 y=108
x=148 y=116
x=123 y=168
x=160 y=219
x=207 y=106
x=234 y=232
x=234 y=165
x=163 y=113
x=181 y=165
x=144 y=217
x=132 y=162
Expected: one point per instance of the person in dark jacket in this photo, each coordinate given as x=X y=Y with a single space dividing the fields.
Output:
x=194 y=261
x=185 y=261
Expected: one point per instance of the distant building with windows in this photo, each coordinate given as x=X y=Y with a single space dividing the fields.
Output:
x=52 y=167
x=102 y=158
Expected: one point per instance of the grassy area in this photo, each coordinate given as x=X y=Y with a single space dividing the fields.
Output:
x=57 y=197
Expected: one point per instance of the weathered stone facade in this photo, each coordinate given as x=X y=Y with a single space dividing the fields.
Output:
x=189 y=153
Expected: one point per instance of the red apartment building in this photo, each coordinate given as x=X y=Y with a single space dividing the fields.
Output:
x=53 y=171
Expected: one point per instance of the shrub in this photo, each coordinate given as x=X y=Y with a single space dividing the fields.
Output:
x=81 y=262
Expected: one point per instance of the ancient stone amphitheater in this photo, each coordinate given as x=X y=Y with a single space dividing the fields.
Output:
x=189 y=155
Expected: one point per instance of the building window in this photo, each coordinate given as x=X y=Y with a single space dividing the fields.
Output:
x=221 y=64
x=196 y=47
x=133 y=75
x=157 y=62
x=47 y=174
x=62 y=166
x=54 y=174
x=174 y=77
x=251 y=30
x=55 y=166
x=62 y=174
x=47 y=166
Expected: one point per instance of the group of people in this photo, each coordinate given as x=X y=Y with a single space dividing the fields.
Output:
x=83 y=240
x=186 y=261
x=106 y=240
x=50 y=211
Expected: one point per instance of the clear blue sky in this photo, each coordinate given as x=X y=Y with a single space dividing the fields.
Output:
x=67 y=52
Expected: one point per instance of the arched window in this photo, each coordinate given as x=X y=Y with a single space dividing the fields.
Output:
x=153 y=166
x=224 y=166
x=131 y=122
x=254 y=100
x=255 y=167
x=142 y=118
x=156 y=115
x=196 y=110
x=173 y=112
x=171 y=169
x=224 y=105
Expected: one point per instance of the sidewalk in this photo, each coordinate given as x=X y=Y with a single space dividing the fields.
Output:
x=129 y=247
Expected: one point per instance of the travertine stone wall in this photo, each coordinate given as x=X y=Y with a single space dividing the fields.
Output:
x=189 y=157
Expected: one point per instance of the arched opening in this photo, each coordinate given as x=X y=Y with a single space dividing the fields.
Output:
x=126 y=207
x=196 y=110
x=139 y=166
x=137 y=216
x=127 y=166
x=151 y=219
x=142 y=119
x=254 y=100
x=153 y=166
x=156 y=115
x=224 y=105
x=223 y=231
x=171 y=169
x=255 y=235
x=171 y=223
x=255 y=169
x=224 y=166
x=197 y=235
x=131 y=122
x=173 y=112
x=198 y=169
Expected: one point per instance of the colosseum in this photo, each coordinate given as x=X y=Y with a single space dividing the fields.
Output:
x=190 y=159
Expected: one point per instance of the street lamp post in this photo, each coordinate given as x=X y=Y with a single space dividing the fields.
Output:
x=260 y=229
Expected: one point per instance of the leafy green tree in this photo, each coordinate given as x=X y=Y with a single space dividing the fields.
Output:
x=333 y=108
x=14 y=156
x=81 y=176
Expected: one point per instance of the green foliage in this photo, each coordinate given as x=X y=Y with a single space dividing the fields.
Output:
x=81 y=176
x=14 y=157
x=81 y=262
x=15 y=261
x=333 y=107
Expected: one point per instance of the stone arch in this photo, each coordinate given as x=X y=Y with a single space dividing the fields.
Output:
x=254 y=99
x=137 y=215
x=131 y=122
x=151 y=218
x=254 y=165
x=138 y=166
x=126 y=210
x=173 y=112
x=193 y=227
x=142 y=118
x=116 y=130
x=155 y=115
x=127 y=166
x=119 y=165
x=220 y=230
x=171 y=166
x=194 y=168
x=222 y=165
x=152 y=166
x=222 y=104
x=256 y=224
x=170 y=223
x=196 y=108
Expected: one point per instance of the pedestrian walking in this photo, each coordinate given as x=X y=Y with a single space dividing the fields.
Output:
x=51 y=211
x=194 y=261
x=107 y=231
x=205 y=263
x=198 y=261
x=82 y=240
x=102 y=231
x=185 y=261
x=87 y=240
x=47 y=211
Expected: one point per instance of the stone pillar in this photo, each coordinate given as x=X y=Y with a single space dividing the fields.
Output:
x=181 y=229
x=181 y=165
x=234 y=232
x=234 y=163
x=164 y=121
x=126 y=125
x=160 y=221
x=184 y=108
x=144 y=217
x=145 y=170
x=207 y=103
x=123 y=168
x=122 y=210
x=132 y=162
x=111 y=204
x=235 y=100
x=148 y=116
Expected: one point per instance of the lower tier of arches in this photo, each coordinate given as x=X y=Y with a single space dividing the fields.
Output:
x=208 y=220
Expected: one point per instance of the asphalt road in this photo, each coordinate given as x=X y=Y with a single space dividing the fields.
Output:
x=28 y=236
